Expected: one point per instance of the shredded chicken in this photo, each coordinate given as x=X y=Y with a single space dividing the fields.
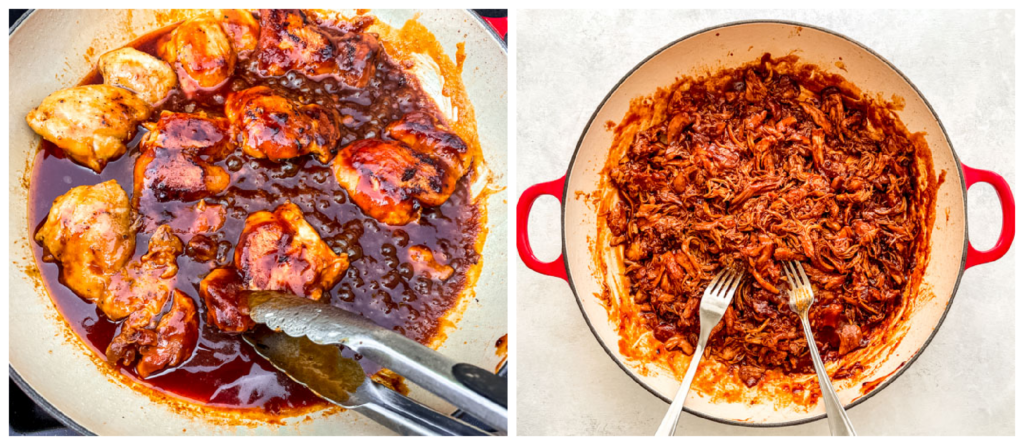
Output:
x=749 y=169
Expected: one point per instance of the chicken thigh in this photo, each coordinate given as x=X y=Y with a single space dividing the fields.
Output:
x=90 y=231
x=140 y=292
x=242 y=29
x=176 y=337
x=144 y=284
x=177 y=158
x=290 y=42
x=389 y=180
x=423 y=133
x=226 y=307
x=157 y=342
x=149 y=78
x=200 y=52
x=279 y=250
x=277 y=128
x=90 y=123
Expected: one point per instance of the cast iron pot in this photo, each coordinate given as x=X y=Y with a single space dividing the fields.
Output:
x=727 y=46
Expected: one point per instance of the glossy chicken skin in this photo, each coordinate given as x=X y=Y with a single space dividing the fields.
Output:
x=420 y=165
x=277 y=128
x=425 y=134
x=279 y=250
x=144 y=283
x=176 y=337
x=176 y=160
x=140 y=292
x=90 y=123
x=388 y=180
x=226 y=307
x=149 y=78
x=90 y=231
x=242 y=29
x=289 y=41
x=200 y=52
x=158 y=343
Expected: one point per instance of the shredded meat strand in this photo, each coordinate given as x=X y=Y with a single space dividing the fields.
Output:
x=751 y=168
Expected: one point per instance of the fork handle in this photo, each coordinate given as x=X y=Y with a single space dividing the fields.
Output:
x=671 y=420
x=838 y=423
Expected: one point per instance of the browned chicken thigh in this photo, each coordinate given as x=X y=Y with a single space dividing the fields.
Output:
x=242 y=29
x=279 y=250
x=389 y=179
x=157 y=342
x=423 y=133
x=149 y=78
x=204 y=50
x=277 y=128
x=177 y=158
x=226 y=307
x=176 y=337
x=90 y=231
x=140 y=292
x=291 y=42
x=142 y=282
x=90 y=123
x=200 y=52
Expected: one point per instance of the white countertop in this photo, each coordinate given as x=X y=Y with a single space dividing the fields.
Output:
x=962 y=61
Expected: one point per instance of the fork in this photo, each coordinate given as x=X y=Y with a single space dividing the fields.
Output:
x=713 y=304
x=801 y=297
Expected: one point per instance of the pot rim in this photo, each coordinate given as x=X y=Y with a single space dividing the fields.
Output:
x=39 y=400
x=628 y=370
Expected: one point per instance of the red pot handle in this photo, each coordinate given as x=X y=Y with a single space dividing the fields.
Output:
x=975 y=257
x=554 y=188
x=500 y=24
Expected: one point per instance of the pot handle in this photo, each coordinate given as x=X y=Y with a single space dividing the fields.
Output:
x=973 y=176
x=554 y=188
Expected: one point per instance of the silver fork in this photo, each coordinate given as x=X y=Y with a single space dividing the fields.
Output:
x=713 y=304
x=801 y=297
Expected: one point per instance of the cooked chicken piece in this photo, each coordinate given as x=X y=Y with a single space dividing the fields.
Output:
x=149 y=78
x=176 y=337
x=290 y=42
x=226 y=307
x=140 y=292
x=423 y=133
x=200 y=52
x=90 y=231
x=281 y=251
x=90 y=123
x=424 y=263
x=242 y=29
x=197 y=134
x=387 y=179
x=176 y=160
x=278 y=128
x=164 y=344
x=357 y=58
x=142 y=282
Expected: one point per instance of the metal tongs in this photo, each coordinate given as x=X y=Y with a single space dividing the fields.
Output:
x=298 y=343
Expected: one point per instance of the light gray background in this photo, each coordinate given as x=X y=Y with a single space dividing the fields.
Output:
x=962 y=61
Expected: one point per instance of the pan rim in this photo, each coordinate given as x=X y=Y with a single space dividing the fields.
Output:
x=628 y=370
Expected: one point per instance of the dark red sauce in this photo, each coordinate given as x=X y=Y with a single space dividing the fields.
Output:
x=380 y=284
